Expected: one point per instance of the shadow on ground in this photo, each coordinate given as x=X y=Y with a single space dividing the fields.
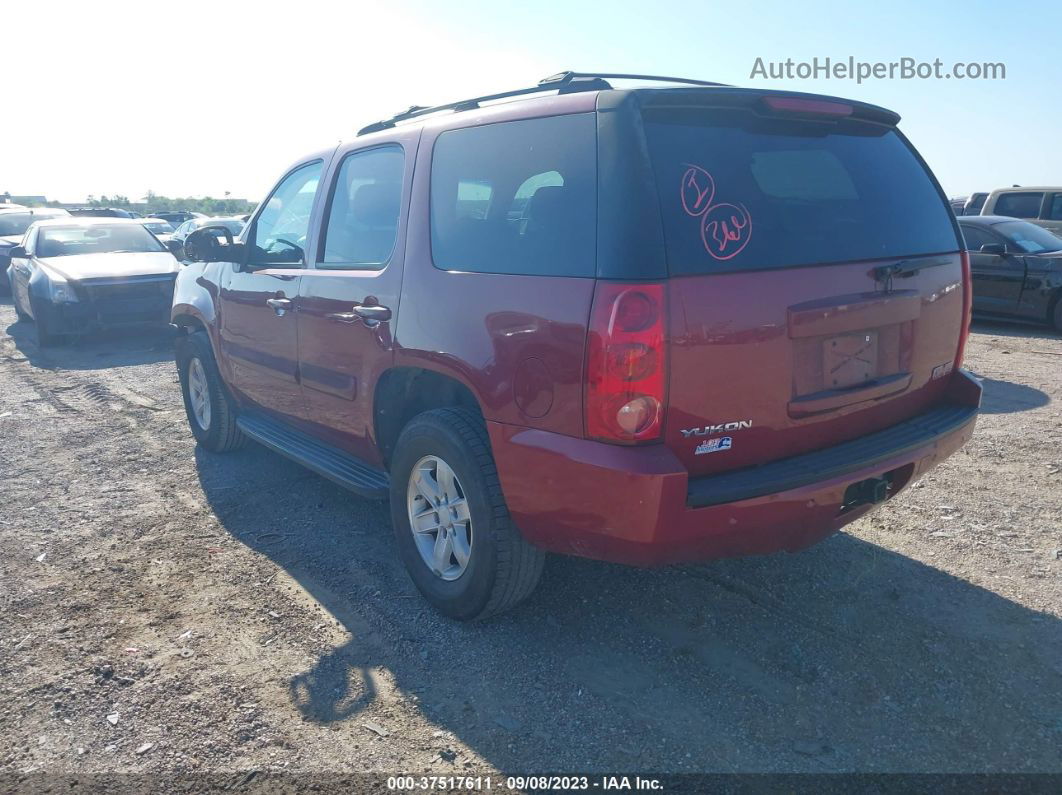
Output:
x=843 y=657
x=1007 y=397
x=123 y=347
x=1001 y=328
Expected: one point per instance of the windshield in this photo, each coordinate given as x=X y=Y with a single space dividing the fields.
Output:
x=1033 y=239
x=159 y=227
x=739 y=191
x=12 y=224
x=64 y=241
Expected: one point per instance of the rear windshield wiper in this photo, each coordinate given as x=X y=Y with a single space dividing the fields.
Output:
x=905 y=268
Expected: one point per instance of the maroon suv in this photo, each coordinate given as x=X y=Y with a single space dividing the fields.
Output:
x=646 y=326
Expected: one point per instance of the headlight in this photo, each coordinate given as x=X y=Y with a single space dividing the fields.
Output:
x=61 y=292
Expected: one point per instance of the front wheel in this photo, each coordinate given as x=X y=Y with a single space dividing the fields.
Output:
x=453 y=529
x=210 y=409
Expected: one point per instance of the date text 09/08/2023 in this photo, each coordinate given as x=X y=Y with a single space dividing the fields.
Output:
x=520 y=783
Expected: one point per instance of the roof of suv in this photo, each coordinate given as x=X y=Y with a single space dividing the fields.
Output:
x=579 y=92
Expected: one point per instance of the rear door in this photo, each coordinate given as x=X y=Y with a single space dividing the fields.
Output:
x=257 y=305
x=349 y=298
x=787 y=332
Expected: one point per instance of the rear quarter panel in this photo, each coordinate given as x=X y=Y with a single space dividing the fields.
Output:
x=517 y=342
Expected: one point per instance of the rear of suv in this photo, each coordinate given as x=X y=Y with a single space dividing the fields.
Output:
x=646 y=325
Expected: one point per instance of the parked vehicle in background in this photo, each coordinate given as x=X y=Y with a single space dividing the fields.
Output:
x=73 y=275
x=958 y=205
x=974 y=204
x=14 y=221
x=645 y=326
x=234 y=226
x=176 y=217
x=1040 y=206
x=161 y=229
x=100 y=212
x=1017 y=269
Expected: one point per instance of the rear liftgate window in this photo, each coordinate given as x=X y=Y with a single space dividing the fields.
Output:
x=743 y=192
x=516 y=197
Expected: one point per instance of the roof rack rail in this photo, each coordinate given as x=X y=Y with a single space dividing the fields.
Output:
x=562 y=82
x=567 y=77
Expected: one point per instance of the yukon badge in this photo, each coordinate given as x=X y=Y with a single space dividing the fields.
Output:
x=708 y=430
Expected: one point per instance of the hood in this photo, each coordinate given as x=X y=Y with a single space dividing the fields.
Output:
x=112 y=266
x=10 y=240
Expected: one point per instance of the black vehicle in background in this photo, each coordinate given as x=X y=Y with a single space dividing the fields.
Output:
x=974 y=204
x=176 y=217
x=1017 y=269
x=14 y=221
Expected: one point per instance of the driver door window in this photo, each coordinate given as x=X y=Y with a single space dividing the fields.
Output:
x=280 y=231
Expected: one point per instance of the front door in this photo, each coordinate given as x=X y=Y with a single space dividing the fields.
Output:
x=997 y=278
x=349 y=298
x=258 y=301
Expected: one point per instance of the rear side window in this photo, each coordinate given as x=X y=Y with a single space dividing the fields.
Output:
x=366 y=203
x=1019 y=205
x=516 y=197
x=742 y=192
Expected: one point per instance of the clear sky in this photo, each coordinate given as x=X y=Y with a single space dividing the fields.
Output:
x=195 y=98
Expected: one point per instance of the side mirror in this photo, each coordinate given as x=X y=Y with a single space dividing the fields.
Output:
x=17 y=252
x=998 y=249
x=206 y=245
x=176 y=247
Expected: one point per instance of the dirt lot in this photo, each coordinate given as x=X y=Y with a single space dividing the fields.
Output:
x=165 y=609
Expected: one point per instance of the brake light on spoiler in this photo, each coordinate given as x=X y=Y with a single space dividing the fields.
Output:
x=811 y=107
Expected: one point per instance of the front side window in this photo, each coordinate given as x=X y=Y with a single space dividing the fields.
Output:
x=1019 y=205
x=517 y=197
x=366 y=204
x=975 y=237
x=283 y=225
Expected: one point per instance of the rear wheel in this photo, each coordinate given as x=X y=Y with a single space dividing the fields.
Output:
x=211 y=410
x=453 y=529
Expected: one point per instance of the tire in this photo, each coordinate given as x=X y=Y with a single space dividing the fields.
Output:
x=502 y=569
x=215 y=429
x=19 y=313
x=1058 y=314
x=45 y=337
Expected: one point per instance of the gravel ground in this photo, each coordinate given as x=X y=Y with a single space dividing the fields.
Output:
x=167 y=610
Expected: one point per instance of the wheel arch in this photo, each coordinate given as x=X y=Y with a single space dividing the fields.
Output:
x=403 y=392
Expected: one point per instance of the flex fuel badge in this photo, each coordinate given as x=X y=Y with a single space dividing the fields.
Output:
x=716 y=445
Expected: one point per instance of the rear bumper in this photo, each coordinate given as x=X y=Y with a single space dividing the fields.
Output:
x=637 y=505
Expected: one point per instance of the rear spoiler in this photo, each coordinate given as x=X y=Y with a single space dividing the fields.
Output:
x=794 y=104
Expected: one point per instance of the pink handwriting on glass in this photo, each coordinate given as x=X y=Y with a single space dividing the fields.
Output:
x=725 y=228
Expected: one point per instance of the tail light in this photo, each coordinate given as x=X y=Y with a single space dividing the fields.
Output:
x=967 y=306
x=626 y=363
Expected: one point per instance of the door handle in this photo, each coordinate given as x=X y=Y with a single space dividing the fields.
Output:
x=372 y=314
x=279 y=305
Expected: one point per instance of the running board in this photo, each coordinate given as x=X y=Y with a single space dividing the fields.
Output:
x=330 y=462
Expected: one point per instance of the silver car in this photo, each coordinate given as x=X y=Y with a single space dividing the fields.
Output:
x=73 y=275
